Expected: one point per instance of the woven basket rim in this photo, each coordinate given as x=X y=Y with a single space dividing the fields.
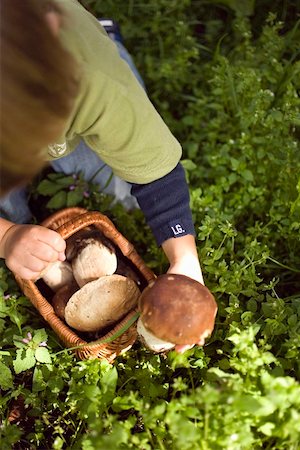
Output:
x=67 y=222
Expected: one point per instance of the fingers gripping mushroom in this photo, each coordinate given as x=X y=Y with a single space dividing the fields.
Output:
x=92 y=256
x=101 y=303
x=58 y=274
x=175 y=310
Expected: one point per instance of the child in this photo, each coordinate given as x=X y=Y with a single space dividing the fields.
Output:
x=64 y=88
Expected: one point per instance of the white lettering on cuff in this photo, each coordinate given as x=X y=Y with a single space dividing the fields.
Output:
x=177 y=229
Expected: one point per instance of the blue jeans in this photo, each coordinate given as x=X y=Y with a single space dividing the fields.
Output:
x=14 y=206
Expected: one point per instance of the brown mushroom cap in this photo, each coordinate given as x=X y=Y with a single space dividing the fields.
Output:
x=178 y=309
x=93 y=260
x=76 y=242
x=100 y=303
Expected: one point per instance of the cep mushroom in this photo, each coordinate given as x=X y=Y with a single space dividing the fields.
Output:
x=61 y=298
x=175 y=310
x=92 y=256
x=58 y=274
x=100 y=303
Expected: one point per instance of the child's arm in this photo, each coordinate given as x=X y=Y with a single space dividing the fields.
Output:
x=5 y=225
x=165 y=203
x=28 y=249
x=182 y=255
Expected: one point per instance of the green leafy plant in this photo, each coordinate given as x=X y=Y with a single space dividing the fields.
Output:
x=226 y=80
x=65 y=191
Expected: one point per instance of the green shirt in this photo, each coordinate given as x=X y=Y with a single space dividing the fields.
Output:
x=113 y=114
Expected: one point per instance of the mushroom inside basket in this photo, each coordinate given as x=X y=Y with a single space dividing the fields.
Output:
x=90 y=299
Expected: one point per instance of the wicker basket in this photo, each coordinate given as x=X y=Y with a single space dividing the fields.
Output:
x=67 y=222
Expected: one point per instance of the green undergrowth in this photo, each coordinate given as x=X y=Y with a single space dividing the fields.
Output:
x=225 y=77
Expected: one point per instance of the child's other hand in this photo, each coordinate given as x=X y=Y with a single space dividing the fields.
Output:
x=188 y=266
x=28 y=249
x=183 y=257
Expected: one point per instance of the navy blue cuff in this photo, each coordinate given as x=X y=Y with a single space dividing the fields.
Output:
x=165 y=204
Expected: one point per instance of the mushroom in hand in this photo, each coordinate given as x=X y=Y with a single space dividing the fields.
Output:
x=102 y=302
x=58 y=274
x=175 y=310
x=92 y=256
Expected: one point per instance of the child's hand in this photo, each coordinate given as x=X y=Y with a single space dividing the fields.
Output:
x=183 y=257
x=28 y=249
x=188 y=266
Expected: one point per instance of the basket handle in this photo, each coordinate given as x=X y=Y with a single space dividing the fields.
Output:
x=62 y=216
x=100 y=221
x=104 y=224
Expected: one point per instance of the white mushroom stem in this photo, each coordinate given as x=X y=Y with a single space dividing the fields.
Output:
x=58 y=274
x=151 y=341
